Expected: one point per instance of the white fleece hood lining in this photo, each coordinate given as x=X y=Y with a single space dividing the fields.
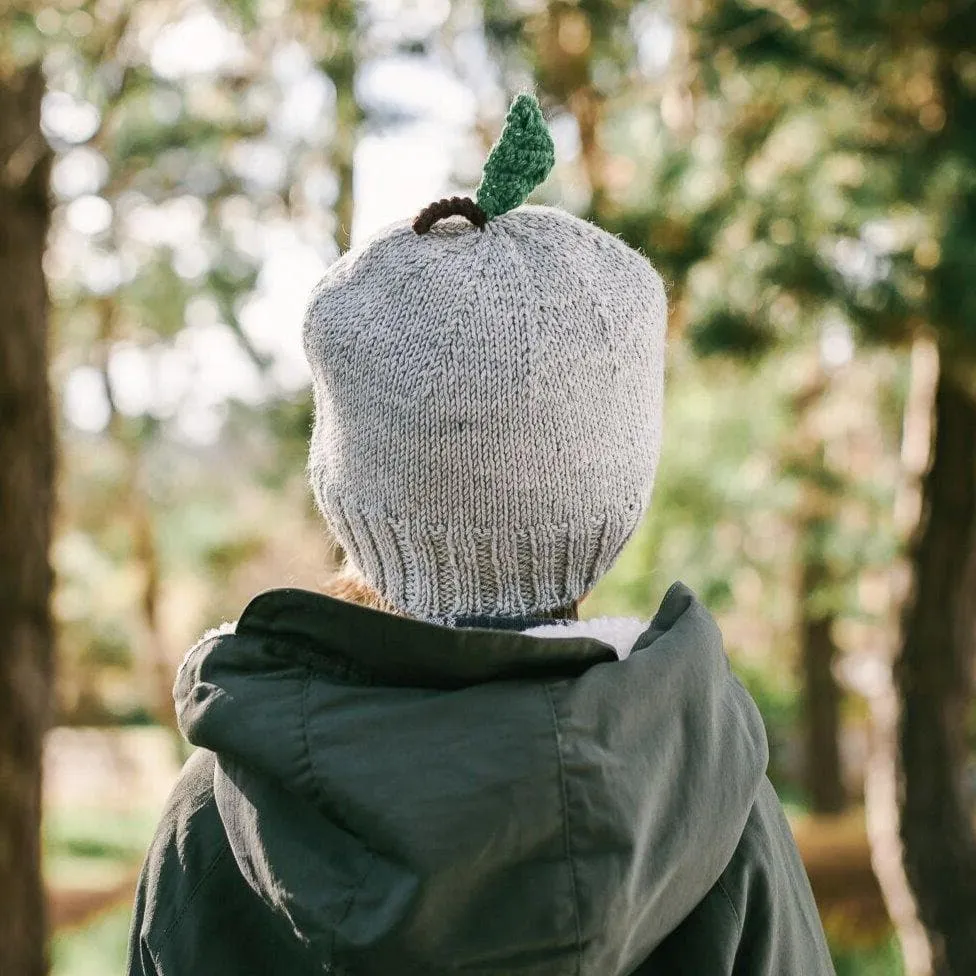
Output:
x=620 y=633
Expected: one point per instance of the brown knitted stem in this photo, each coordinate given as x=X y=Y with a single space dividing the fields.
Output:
x=449 y=207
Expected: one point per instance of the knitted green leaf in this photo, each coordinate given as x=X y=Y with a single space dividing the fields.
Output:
x=519 y=161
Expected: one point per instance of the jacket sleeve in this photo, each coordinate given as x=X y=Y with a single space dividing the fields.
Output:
x=140 y=961
x=780 y=931
x=759 y=919
x=164 y=885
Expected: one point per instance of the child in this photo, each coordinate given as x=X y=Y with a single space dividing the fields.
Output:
x=450 y=773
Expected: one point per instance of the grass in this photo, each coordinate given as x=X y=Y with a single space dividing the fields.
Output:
x=96 y=949
x=97 y=832
x=89 y=858
x=93 y=849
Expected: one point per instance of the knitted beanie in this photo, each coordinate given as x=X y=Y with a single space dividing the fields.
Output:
x=488 y=398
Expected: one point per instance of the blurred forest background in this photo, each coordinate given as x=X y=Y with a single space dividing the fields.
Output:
x=804 y=176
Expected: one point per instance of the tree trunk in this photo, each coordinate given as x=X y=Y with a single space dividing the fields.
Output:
x=882 y=818
x=881 y=776
x=817 y=510
x=824 y=780
x=934 y=676
x=343 y=153
x=26 y=496
x=341 y=18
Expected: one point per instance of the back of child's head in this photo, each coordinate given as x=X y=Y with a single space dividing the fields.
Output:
x=488 y=398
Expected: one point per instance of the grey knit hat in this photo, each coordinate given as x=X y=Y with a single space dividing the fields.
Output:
x=488 y=407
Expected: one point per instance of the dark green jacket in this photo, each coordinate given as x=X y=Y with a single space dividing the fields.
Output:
x=378 y=796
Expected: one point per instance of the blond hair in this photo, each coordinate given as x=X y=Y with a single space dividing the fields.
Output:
x=347 y=583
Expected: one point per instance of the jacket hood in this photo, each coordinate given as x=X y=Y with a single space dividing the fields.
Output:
x=417 y=799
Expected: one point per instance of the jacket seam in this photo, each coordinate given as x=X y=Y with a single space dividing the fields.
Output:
x=354 y=888
x=298 y=649
x=154 y=957
x=306 y=685
x=567 y=839
x=168 y=931
x=735 y=912
x=353 y=893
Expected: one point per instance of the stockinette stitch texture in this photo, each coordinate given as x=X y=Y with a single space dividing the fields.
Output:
x=487 y=409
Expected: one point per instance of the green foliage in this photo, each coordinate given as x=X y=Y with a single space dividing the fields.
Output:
x=716 y=504
x=724 y=331
x=779 y=703
x=882 y=960
x=519 y=161
x=891 y=178
x=168 y=492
